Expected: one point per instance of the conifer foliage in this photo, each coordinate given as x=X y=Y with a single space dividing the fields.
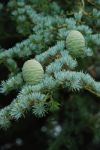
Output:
x=57 y=41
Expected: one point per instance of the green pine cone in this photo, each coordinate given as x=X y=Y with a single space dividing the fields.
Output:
x=32 y=71
x=75 y=43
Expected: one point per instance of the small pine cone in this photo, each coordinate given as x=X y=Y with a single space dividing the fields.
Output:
x=32 y=71
x=75 y=43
